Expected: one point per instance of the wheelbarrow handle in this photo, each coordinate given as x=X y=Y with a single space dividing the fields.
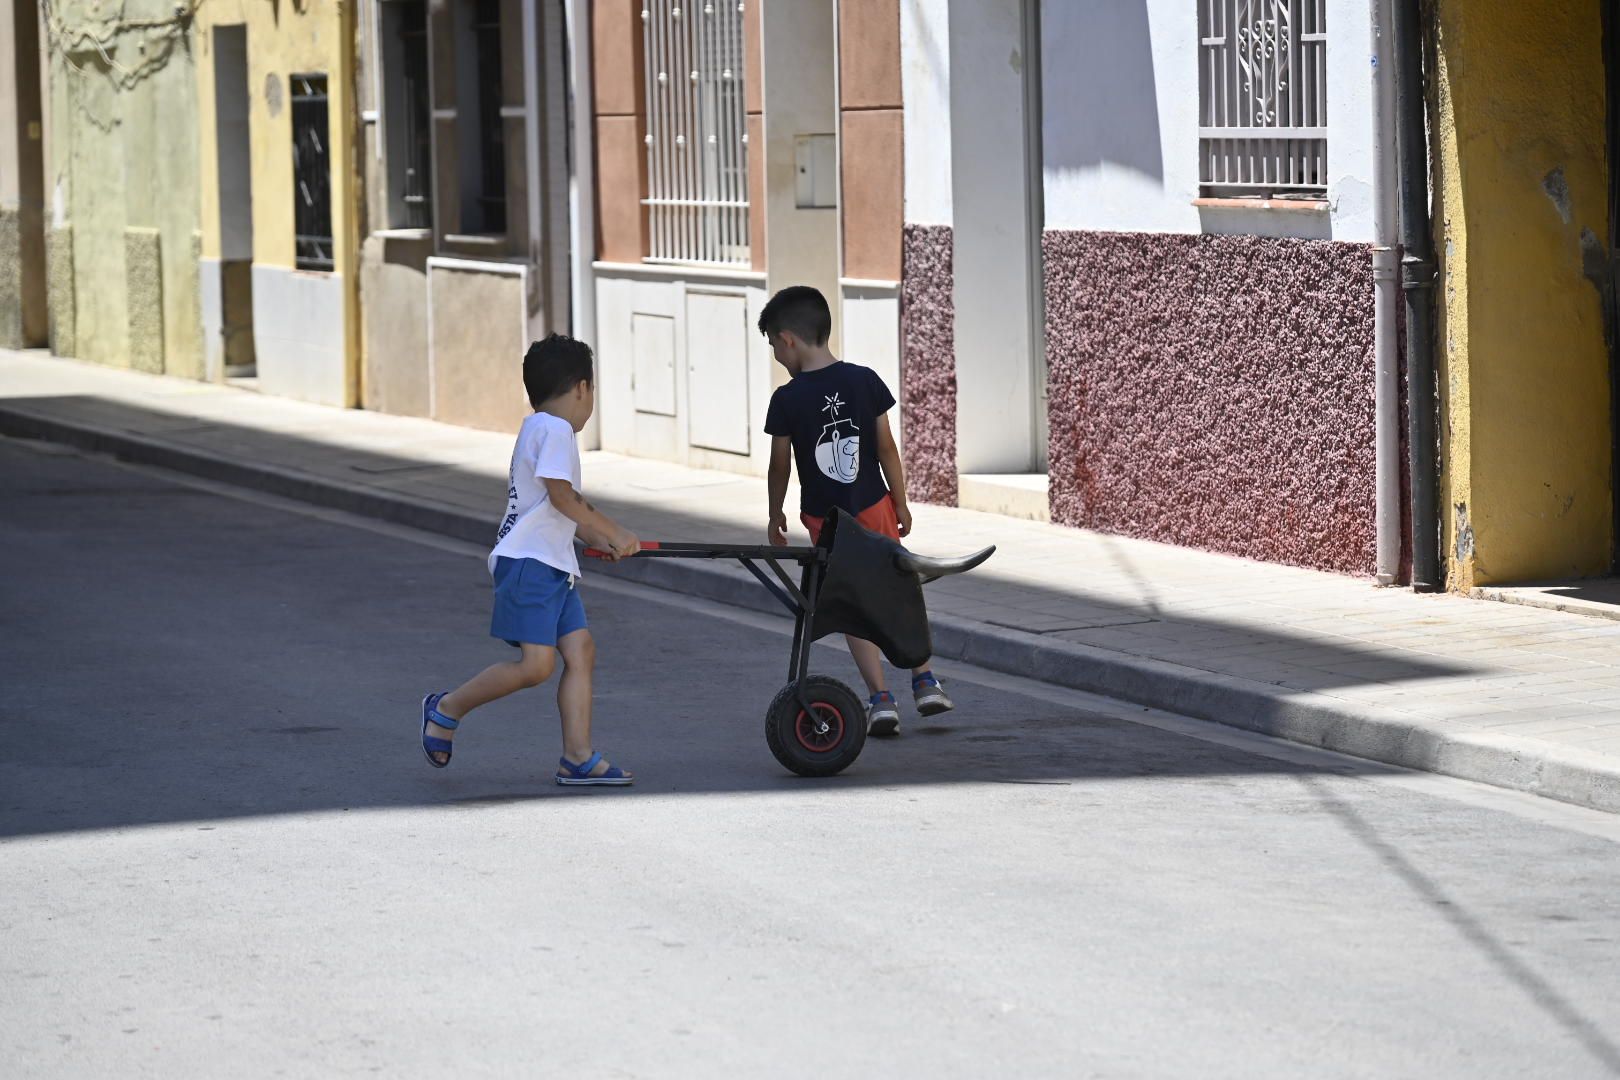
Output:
x=598 y=553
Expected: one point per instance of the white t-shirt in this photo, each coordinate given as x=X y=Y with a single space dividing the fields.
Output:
x=533 y=528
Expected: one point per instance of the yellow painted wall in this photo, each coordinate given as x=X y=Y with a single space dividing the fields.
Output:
x=1520 y=166
x=286 y=38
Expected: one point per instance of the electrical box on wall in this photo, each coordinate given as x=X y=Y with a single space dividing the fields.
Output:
x=815 y=160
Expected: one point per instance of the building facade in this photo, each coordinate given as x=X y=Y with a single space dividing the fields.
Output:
x=120 y=183
x=279 y=263
x=1525 y=194
x=465 y=105
x=1173 y=322
x=1129 y=267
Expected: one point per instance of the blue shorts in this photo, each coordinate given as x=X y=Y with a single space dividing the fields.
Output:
x=535 y=604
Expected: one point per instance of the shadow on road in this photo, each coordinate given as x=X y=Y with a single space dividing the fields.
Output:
x=1546 y=997
x=175 y=655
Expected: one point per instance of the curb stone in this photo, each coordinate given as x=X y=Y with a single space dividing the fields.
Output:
x=1382 y=735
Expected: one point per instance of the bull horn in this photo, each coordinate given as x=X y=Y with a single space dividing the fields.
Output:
x=929 y=568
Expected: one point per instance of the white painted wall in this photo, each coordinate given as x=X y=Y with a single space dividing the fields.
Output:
x=925 y=77
x=715 y=388
x=799 y=64
x=872 y=335
x=1120 y=123
x=298 y=334
x=996 y=291
x=211 y=299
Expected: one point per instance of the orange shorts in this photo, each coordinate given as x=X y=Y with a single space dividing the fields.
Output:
x=879 y=517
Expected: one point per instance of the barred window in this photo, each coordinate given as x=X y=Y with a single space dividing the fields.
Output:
x=697 y=131
x=491 y=189
x=312 y=174
x=407 y=113
x=1263 y=97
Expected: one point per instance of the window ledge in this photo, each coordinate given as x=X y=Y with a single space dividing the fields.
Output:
x=1297 y=206
x=488 y=241
x=675 y=272
x=403 y=234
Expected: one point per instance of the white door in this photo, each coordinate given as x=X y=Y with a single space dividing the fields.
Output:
x=717 y=371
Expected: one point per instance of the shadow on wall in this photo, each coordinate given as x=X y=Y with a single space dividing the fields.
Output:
x=1099 y=88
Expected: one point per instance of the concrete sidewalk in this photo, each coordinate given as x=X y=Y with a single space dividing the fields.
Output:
x=1509 y=695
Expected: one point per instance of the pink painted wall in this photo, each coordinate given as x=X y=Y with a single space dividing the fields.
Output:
x=1213 y=392
x=928 y=365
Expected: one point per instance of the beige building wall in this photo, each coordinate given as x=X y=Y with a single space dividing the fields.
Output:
x=450 y=308
x=122 y=186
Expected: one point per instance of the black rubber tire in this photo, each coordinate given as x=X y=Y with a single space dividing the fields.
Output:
x=843 y=742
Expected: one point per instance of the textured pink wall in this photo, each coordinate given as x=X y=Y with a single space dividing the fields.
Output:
x=928 y=365
x=1214 y=392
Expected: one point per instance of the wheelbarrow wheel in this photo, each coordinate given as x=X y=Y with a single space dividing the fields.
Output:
x=822 y=744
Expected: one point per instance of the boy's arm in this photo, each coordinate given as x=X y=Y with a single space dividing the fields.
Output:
x=888 y=455
x=595 y=527
x=781 y=455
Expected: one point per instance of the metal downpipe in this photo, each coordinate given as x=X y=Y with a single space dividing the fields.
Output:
x=1386 y=271
x=1417 y=284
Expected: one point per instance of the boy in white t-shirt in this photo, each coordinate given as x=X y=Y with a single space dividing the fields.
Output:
x=536 y=571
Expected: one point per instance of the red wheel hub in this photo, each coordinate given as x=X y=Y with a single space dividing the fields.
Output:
x=821 y=732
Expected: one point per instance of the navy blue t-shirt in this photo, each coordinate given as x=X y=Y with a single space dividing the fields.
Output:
x=831 y=415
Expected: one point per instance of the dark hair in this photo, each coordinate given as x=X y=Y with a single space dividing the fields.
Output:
x=555 y=366
x=801 y=310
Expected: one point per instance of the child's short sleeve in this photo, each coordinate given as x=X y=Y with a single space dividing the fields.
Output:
x=776 y=416
x=554 y=450
x=878 y=393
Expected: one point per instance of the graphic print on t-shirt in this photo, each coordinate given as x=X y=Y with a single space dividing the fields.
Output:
x=838 y=450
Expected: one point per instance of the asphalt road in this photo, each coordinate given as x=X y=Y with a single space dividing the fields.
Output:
x=222 y=854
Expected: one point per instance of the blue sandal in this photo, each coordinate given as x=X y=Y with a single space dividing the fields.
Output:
x=432 y=744
x=580 y=775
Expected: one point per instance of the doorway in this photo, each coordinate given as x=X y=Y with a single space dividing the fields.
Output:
x=26 y=313
x=1609 y=273
x=235 y=166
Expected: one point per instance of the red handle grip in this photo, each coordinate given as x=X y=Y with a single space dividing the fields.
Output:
x=598 y=553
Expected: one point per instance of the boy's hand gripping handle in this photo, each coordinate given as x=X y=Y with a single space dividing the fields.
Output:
x=598 y=553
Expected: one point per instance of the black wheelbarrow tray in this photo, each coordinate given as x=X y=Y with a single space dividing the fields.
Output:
x=854 y=582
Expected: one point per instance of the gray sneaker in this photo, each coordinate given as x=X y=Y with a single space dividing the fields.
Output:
x=882 y=716
x=930 y=696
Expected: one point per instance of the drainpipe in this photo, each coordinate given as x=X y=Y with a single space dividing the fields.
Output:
x=1386 y=260
x=1417 y=283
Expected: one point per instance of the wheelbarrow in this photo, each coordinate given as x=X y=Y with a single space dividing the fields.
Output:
x=854 y=581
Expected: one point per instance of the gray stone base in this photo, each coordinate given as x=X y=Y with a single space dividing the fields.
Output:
x=143 y=273
x=11 y=328
x=63 y=299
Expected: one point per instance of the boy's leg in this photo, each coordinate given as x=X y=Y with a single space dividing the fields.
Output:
x=494 y=682
x=869 y=660
x=882 y=717
x=578 y=651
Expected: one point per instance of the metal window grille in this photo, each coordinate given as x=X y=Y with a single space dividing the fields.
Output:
x=697 y=132
x=417 y=193
x=312 y=174
x=1263 y=96
x=491 y=128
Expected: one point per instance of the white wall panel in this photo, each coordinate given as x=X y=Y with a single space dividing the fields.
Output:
x=298 y=334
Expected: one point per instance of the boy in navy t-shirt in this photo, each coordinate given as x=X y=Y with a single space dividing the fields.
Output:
x=832 y=418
